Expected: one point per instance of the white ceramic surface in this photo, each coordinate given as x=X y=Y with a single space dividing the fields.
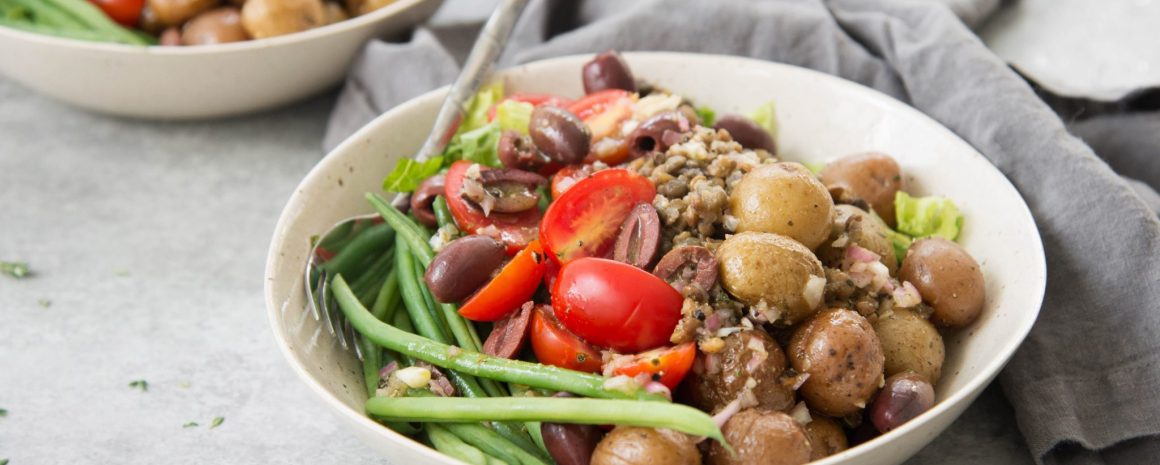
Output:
x=820 y=117
x=198 y=82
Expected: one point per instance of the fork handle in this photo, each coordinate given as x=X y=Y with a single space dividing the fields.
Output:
x=491 y=42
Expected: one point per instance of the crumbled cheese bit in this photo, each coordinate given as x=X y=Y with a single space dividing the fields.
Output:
x=813 y=290
x=712 y=345
x=414 y=377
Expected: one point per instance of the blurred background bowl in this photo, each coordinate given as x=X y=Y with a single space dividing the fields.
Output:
x=820 y=117
x=198 y=82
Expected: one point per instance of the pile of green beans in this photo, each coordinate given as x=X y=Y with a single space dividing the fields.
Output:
x=74 y=19
x=387 y=262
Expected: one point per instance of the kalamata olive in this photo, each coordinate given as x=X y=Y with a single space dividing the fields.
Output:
x=217 y=26
x=905 y=396
x=570 y=444
x=518 y=151
x=640 y=237
x=424 y=197
x=463 y=266
x=509 y=334
x=658 y=133
x=607 y=71
x=559 y=134
x=686 y=265
x=506 y=190
x=170 y=37
x=746 y=132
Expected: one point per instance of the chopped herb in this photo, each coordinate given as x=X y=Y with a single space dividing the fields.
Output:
x=184 y=384
x=140 y=384
x=16 y=270
x=190 y=424
x=217 y=421
x=3 y=412
x=44 y=302
x=3 y=461
x=707 y=115
x=121 y=273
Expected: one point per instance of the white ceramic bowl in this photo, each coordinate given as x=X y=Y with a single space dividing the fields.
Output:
x=821 y=117
x=198 y=82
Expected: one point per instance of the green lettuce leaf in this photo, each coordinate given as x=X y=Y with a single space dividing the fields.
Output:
x=514 y=116
x=927 y=216
x=481 y=102
x=408 y=173
x=478 y=145
x=766 y=117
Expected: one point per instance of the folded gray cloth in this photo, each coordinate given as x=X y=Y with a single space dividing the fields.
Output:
x=1085 y=383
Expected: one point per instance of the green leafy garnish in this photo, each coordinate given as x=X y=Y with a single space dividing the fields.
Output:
x=408 y=173
x=3 y=412
x=44 y=302
x=815 y=168
x=514 y=116
x=16 y=270
x=140 y=384
x=927 y=216
x=122 y=273
x=481 y=102
x=707 y=115
x=190 y=424
x=217 y=421
x=3 y=461
x=478 y=146
x=766 y=117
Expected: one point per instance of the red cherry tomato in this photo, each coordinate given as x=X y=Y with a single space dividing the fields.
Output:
x=584 y=220
x=616 y=305
x=534 y=99
x=567 y=177
x=597 y=102
x=514 y=230
x=124 y=12
x=555 y=346
x=669 y=365
x=511 y=288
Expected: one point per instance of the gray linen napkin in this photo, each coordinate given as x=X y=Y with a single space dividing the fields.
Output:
x=1084 y=384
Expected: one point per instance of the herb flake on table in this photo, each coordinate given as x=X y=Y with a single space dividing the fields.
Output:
x=122 y=273
x=3 y=412
x=3 y=461
x=44 y=302
x=140 y=384
x=18 y=270
x=190 y=424
x=217 y=421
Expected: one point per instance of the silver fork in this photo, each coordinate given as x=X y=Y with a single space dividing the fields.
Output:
x=484 y=53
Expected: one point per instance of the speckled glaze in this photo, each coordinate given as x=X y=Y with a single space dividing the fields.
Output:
x=820 y=118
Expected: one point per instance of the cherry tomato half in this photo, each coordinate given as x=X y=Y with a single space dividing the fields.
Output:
x=597 y=102
x=669 y=365
x=124 y=12
x=508 y=290
x=567 y=177
x=556 y=346
x=603 y=112
x=514 y=230
x=534 y=99
x=584 y=220
x=616 y=305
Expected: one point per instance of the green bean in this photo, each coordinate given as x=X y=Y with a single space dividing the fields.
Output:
x=432 y=306
x=387 y=302
x=493 y=444
x=96 y=20
x=48 y=15
x=473 y=363
x=554 y=409
x=367 y=285
x=364 y=244
x=405 y=227
x=412 y=296
x=78 y=34
x=448 y=444
x=442 y=212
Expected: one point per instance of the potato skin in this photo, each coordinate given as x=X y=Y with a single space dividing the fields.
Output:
x=783 y=198
x=762 y=266
x=948 y=278
x=874 y=177
x=862 y=229
x=633 y=445
x=841 y=353
x=910 y=343
x=269 y=18
x=761 y=437
x=826 y=437
x=175 y=12
x=711 y=392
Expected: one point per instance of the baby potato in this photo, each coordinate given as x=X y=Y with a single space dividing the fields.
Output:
x=862 y=229
x=761 y=437
x=841 y=353
x=783 y=198
x=165 y=13
x=948 y=278
x=632 y=445
x=780 y=271
x=713 y=391
x=269 y=18
x=826 y=437
x=871 y=176
x=910 y=343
